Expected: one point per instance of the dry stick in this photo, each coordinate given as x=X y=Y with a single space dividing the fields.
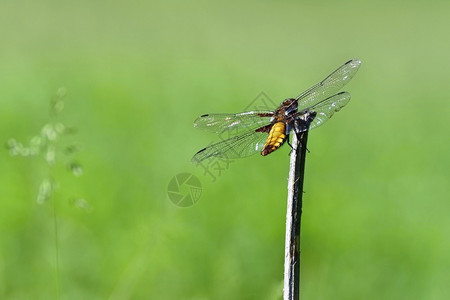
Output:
x=291 y=290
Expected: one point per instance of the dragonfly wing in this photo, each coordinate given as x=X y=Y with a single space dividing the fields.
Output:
x=325 y=109
x=330 y=85
x=234 y=123
x=243 y=145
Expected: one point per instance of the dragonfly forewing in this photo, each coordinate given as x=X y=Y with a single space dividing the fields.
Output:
x=329 y=86
x=238 y=123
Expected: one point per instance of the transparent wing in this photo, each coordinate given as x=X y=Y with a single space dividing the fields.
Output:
x=329 y=86
x=241 y=122
x=243 y=145
x=325 y=109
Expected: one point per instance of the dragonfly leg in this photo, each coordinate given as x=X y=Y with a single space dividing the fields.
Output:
x=287 y=141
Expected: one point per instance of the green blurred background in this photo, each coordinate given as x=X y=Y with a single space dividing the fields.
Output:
x=137 y=73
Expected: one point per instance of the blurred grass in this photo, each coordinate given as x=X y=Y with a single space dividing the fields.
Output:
x=375 y=222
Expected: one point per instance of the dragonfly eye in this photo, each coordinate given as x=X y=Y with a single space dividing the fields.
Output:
x=286 y=102
x=291 y=107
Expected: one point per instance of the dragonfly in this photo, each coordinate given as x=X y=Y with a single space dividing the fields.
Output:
x=266 y=131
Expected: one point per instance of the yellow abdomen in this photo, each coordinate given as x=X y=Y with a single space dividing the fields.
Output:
x=276 y=138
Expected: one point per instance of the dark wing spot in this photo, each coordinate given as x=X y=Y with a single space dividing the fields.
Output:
x=200 y=151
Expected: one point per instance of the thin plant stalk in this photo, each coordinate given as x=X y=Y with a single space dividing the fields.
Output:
x=291 y=289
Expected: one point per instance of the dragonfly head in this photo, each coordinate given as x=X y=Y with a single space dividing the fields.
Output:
x=290 y=106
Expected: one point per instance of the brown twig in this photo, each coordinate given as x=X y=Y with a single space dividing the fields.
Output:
x=291 y=290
